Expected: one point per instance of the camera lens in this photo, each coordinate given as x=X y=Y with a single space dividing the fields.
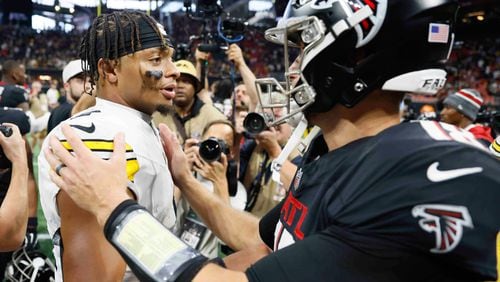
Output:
x=210 y=150
x=254 y=123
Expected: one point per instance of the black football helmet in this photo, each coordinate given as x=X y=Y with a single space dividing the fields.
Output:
x=351 y=47
x=30 y=266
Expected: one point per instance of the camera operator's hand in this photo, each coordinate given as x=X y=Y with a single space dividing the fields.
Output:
x=268 y=140
x=238 y=126
x=191 y=149
x=216 y=173
x=201 y=56
x=14 y=146
x=235 y=55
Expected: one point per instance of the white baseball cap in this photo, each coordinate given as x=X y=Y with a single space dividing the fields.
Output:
x=71 y=69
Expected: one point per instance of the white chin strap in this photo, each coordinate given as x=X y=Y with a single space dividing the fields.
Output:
x=295 y=140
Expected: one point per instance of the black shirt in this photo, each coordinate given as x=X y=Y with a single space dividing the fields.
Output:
x=59 y=114
x=410 y=204
x=12 y=96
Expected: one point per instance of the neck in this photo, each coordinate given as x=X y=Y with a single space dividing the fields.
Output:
x=464 y=122
x=341 y=125
x=184 y=111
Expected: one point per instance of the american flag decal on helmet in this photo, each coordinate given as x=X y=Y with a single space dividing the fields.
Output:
x=446 y=222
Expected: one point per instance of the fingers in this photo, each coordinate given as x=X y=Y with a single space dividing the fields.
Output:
x=60 y=154
x=119 y=149
x=169 y=140
x=75 y=141
x=223 y=159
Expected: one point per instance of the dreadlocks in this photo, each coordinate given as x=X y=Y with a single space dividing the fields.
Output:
x=114 y=35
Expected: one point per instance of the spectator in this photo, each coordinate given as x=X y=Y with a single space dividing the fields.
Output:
x=189 y=115
x=13 y=94
x=461 y=108
x=75 y=85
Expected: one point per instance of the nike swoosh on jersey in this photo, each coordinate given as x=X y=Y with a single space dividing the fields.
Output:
x=436 y=175
x=88 y=129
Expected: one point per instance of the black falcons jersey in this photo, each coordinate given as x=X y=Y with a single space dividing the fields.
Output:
x=409 y=204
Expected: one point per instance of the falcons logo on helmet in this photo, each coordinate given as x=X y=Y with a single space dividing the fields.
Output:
x=446 y=222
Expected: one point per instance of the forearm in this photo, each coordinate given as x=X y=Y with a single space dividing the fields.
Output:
x=221 y=189
x=287 y=173
x=249 y=80
x=236 y=228
x=32 y=196
x=14 y=210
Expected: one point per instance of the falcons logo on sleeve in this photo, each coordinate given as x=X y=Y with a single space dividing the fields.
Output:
x=446 y=222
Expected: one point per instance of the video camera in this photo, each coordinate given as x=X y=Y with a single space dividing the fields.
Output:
x=4 y=161
x=212 y=148
x=228 y=29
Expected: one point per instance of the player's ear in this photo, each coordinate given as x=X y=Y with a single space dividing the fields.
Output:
x=106 y=70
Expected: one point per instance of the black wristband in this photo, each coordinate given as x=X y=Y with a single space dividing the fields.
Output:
x=32 y=225
x=188 y=271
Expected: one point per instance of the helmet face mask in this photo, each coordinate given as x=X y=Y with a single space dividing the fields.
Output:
x=350 y=48
x=29 y=266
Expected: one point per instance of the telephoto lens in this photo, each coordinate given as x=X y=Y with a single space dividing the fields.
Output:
x=212 y=148
x=254 y=123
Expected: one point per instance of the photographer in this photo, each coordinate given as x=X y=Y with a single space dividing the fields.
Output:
x=212 y=162
x=14 y=203
x=256 y=156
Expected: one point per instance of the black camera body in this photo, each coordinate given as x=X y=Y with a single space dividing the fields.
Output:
x=4 y=161
x=212 y=148
x=254 y=123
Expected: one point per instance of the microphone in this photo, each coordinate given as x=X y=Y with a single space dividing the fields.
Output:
x=154 y=73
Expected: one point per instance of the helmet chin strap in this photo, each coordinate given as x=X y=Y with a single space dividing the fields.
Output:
x=295 y=140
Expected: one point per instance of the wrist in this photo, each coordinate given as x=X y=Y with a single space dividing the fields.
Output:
x=103 y=211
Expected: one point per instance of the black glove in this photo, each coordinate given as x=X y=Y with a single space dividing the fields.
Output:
x=31 y=238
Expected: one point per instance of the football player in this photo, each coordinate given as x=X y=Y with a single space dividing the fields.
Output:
x=129 y=62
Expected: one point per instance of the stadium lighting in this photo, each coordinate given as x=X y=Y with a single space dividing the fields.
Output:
x=259 y=5
x=173 y=6
x=57 y=8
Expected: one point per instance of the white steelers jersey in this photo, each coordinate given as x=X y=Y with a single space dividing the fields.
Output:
x=147 y=167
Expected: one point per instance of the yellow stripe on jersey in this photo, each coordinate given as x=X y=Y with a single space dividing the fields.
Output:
x=498 y=257
x=108 y=146
x=132 y=168
x=496 y=146
x=97 y=145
